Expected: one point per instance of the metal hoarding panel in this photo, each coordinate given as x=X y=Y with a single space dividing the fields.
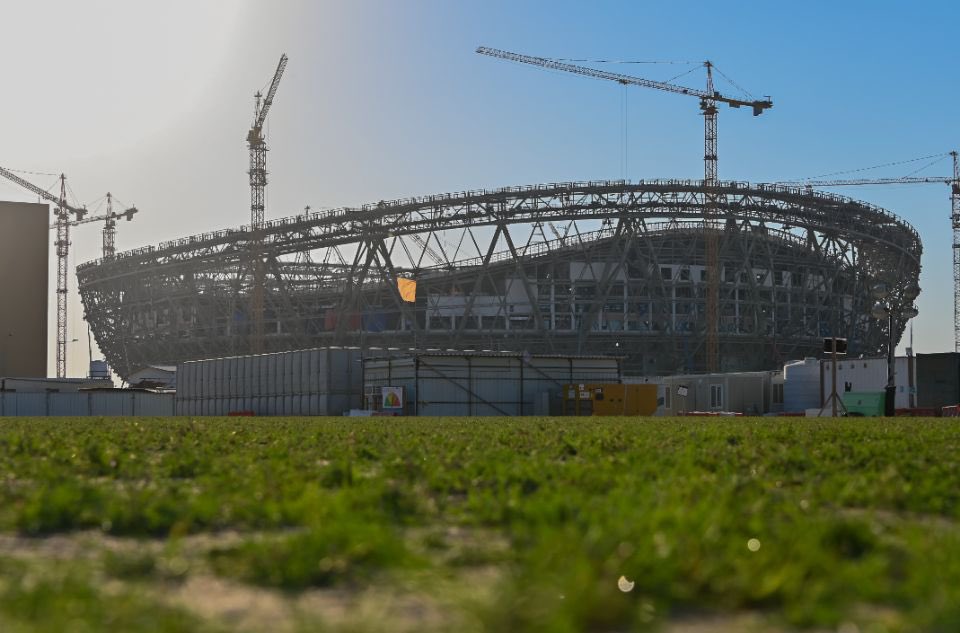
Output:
x=338 y=368
x=187 y=381
x=230 y=377
x=29 y=404
x=200 y=370
x=220 y=384
x=153 y=404
x=287 y=387
x=260 y=375
x=193 y=386
x=105 y=403
x=310 y=365
x=246 y=368
x=182 y=380
x=323 y=376
x=296 y=375
x=274 y=375
x=323 y=405
x=71 y=404
x=278 y=378
x=308 y=370
x=206 y=388
x=224 y=377
x=226 y=390
x=213 y=386
x=337 y=404
x=495 y=385
x=305 y=371
x=316 y=379
x=443 y=384
x=238 y=376
x=329 y=373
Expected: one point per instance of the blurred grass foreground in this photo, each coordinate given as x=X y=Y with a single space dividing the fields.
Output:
x=523 y=524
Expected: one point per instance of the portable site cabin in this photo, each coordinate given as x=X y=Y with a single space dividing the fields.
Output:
x=749 y=393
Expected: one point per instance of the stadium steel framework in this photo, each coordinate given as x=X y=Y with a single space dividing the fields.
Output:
x=608 y=267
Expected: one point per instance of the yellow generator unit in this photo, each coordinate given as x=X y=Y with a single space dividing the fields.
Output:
x=609 y=399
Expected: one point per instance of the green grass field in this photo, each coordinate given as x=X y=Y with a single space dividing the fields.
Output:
x=532 y=524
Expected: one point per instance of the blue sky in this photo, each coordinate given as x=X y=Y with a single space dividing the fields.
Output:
x=386 y=99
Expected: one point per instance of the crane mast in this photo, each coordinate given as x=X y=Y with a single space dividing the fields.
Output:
x=955 y=223
x=110 y=231
x=711 y=239
x=63 y=252
x=709 y=99
x=258 y=183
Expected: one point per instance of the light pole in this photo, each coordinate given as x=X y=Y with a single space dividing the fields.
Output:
x=890 y=308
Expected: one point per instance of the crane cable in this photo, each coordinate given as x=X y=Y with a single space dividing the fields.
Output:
x=893 y=164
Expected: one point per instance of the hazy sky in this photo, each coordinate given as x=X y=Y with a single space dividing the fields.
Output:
x=385 y=99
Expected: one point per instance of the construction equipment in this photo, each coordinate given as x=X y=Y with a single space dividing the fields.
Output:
x=709 y=99
x=110 y=229
x=62 y=226
x=954 y=183
x=258 y=182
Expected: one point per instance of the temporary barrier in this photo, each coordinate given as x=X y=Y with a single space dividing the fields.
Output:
x=99 y=402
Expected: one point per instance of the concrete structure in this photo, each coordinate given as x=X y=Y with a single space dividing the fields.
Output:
x=480 y=383
x=24 y=265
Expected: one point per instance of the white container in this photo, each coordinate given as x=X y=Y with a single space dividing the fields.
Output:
x=801 y=385
x=99 y=369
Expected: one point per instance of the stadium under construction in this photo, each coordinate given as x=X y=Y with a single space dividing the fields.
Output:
x=608 y=267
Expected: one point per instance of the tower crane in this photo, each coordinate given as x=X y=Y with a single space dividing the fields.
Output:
x=954 y=183
x=709 y=99
x=110 y=225
x=62 y=226
x=258 y=182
